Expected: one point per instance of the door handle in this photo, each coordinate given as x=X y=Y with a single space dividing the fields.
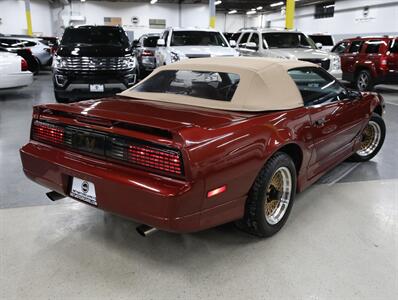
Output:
x=320 y=122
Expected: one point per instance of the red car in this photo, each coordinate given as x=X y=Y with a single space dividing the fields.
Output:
x=369 y=61
x=204 y=142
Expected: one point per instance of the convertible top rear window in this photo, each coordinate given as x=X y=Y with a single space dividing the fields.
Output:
x=201 y=84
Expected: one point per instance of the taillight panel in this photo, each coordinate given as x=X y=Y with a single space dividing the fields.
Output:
x=129 y=151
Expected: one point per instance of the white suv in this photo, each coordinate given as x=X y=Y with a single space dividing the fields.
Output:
x=285 y=44
x=178 y=43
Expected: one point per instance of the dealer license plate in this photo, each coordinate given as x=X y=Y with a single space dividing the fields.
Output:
x=96 y=88
x=83 y=190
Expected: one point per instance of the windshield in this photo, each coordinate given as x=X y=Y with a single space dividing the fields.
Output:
x=287 y=40
x=201 y=84
x=197 y=38
x=325 y=40
x=95 y=35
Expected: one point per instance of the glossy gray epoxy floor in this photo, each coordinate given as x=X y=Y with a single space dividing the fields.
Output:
x=341 y=241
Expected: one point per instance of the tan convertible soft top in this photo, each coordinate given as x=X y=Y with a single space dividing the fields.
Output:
x=264 y=83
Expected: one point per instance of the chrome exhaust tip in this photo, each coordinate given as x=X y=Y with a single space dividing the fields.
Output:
x=145 y=230
x=54 y=196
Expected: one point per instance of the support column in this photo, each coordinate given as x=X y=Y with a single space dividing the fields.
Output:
x=28 y=17
x=212 y=11
x=290 y=8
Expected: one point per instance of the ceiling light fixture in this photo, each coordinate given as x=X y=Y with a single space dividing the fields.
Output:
x=217 y=2
x=231 y=12
x=251 y=12
x=276 y=4
x=154 y=1
x=259 y=8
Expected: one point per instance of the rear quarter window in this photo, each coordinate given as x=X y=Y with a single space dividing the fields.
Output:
x=201 y=84
x=393 y=46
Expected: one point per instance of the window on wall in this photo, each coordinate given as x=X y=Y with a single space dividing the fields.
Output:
x=324 y=10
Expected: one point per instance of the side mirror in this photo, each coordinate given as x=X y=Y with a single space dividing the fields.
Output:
x=354 y=94
x=232 y=43
x=251 y=46
x=161 y=43
x=318 y=45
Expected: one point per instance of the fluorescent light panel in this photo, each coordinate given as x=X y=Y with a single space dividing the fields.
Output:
x=154 y=1
x=276 y=4
x=231 y=12
x=217 y=2
x=251 y=12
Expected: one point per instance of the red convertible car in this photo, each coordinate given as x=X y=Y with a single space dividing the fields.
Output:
x=204 y=142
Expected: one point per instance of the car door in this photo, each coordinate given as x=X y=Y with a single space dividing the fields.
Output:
x=253 y=51
x=161 y=51
x=352 y=56
x=336 y=120
x=241 y=46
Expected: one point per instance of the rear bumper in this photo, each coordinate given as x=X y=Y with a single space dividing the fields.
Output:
x=338 y=74
x=165 y=203
x=388 y=77
x=16 y=80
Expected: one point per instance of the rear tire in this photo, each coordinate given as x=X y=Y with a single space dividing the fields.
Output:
x=364 y=81
x=271 y=197
x=372 y=139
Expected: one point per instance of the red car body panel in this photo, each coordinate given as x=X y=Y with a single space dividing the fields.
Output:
x=383 y=66
x=219 y=148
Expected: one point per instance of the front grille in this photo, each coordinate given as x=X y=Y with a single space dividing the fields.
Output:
x=324 y=63
x=129 y=151
x=94 y=63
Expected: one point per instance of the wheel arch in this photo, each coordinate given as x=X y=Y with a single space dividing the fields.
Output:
x=295 y=152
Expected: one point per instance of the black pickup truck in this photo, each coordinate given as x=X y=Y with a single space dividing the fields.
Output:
x=93 y=62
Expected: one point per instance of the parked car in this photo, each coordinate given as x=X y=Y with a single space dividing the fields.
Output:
x=93 y=61
x=13 y=71
x=287 y=44
x=145 y=48
x=51 y=41
x=33 y=64
x=179 y=43
x=203 y=142
x=40 y=51
x=323 y=41
x=369 y=61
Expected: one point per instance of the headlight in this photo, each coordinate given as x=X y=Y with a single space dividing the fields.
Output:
x=336 y=63
x=174 y=57
x=129 y=62
x=58 y=62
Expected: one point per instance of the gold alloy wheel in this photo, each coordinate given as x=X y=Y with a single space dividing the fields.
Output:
x=371 y=136
x=278 y=195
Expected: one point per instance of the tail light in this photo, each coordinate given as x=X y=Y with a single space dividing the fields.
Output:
x=48 y=133
x=163 y=160
x=130 y=152
x=383 y=61
x=24 y=65
x=147 y=53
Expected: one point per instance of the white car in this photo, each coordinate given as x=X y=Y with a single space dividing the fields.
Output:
x=182 y=43
x=13 y=71
x=283 y=43
x=323 y=41
x=39 y=50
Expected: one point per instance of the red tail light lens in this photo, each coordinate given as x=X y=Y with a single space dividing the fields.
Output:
x=147 y=53
x=163 y=160
x=24 y=65
x=47 y=133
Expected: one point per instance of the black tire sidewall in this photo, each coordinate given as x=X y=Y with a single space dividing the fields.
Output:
x=257 y=195
x=379 y=120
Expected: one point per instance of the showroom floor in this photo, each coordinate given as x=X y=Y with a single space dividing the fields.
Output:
x=341 y=241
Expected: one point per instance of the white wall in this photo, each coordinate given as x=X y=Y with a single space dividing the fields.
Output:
x=348 y=19
x=13 y=18
x=95 y=11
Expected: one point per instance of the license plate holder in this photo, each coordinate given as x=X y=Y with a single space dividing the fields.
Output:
x=83 y=190
x=97 y=88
